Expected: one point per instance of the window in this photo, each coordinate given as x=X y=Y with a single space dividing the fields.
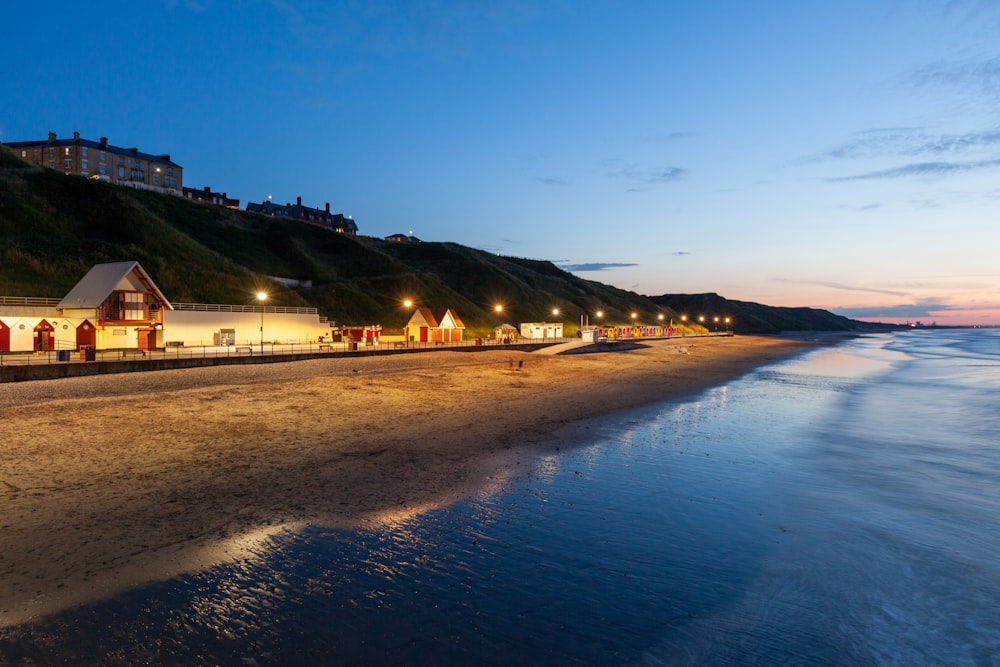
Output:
x=170 y=171
x=24 y=153
x=83 y=165
x=156 y=179
x=121 y=172
x=104 y=169
x=83 y=151
x=66 y=164
x=103 y=156
x=68 y=150
x=52 y=152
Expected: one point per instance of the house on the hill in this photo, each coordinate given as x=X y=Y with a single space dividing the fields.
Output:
x=100 y=160
x=205 y=195
x=337 y=222
x=437 y=325
x=402 y=238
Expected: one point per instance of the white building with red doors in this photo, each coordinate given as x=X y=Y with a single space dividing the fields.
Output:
x=118 y=306
x=437 y=325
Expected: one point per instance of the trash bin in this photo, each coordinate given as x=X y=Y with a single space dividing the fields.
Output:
x=87 y=353
x=354 y=346
x=62 y=355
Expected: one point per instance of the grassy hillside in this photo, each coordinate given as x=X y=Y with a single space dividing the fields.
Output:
x=54 y=227
x=748 y=317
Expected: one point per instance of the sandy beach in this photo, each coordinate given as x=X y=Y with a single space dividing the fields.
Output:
x=109 y=482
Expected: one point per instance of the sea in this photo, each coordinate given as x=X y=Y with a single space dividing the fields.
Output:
x=841 y=507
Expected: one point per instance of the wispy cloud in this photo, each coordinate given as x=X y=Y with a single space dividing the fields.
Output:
x=842 y=286
x=980 y=75
x=909 y=142
x=641 y=178
x=669 y=137
x=551 y=180
x=680 y=253
x=863 y=208
x=908 y=310
x=596 y=266
x=920 y=170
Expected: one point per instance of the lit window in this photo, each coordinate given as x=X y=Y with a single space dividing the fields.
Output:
x=24 y=153
x=69 y=151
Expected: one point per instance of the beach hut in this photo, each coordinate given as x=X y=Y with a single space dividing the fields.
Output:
x=434 y=325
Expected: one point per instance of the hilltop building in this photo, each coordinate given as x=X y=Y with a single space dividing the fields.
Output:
x=402 y=238
x=100 y=160
x=206 y=196
x=337 y=222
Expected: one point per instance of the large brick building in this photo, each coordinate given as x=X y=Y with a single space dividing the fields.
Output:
x=101 y=160
x=321 y=217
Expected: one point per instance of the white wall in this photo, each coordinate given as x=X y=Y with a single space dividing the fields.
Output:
x=193 y=327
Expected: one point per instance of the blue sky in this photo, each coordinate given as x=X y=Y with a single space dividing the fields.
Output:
x=842 y=155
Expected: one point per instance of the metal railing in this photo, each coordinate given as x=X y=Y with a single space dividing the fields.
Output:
x=228 y=308
x=28 y=301
x=250 y=349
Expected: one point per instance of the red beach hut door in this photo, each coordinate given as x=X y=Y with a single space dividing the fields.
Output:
x=86 y=335
x=44 y=336
x=4 y=338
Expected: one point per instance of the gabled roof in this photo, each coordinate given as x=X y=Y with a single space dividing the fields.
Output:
x=103 y=279
x=434 y=318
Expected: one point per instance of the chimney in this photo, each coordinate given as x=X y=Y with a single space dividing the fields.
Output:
x=207 y=189
x=52 y=137
x=104 y=142
x=298 y=200
x=165 y=157
x=328 y=207
x=76 y=136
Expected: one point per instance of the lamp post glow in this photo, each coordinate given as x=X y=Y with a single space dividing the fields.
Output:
x=262 y=297
x=408 y=303
x=498 y=309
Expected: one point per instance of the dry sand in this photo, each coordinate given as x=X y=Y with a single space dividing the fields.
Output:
x=109 y=482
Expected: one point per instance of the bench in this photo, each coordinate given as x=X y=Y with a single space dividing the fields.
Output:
x=244 y=348
x=325 y=346
x=174 y=343
x=134 y=353
x=399 y=343
x=438 y=343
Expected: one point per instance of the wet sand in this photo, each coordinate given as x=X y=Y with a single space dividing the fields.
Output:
x=109 y=482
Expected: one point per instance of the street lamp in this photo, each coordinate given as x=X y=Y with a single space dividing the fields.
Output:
x=498 y=309
x=408 y=303
x=262 y=297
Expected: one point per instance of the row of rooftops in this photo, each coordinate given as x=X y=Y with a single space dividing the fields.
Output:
x=322 y=217
x=102 y=145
